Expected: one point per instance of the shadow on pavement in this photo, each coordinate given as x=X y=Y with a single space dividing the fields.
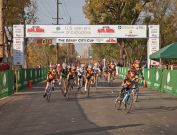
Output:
x=160 y=108
x=106 y=84
x=94 y=130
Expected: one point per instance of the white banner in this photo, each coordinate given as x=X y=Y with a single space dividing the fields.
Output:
x=87 y=31
x=154 y=31
x=154 y=42
x=86 y=40
x=18 y=31
x=153 y=47
x=18 y=51
x=132 y=31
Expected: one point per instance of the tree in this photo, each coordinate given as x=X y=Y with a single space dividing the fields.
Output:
x=114 y=12
x=130 y=12
x=21 y=12
x=164 y=13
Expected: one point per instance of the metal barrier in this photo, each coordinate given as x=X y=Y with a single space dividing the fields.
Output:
x=157 y=79
x=6 y=83
x=11 y=81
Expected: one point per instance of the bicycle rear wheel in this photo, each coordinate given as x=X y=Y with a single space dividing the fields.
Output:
x=48 y=95
x=118 y=103
x=48 y=98
x=136 y=94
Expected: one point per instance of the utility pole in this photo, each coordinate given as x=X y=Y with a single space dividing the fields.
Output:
x=58 y=47
x=1 y=29
x=69 y=47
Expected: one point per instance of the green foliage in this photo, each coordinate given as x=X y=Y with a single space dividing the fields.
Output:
x=19 y=12
x=122 y=12
x=40 y=55
x=112 y=12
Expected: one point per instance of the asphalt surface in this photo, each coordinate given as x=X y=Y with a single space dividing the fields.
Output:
x=27 y=113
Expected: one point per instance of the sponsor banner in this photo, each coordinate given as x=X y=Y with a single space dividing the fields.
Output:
x=132 y=31
x=87 y=31
x=86 y=40
x=18 y=31
x=154 y=31
x=18 y=51
x=153 y=47
x=154 y=42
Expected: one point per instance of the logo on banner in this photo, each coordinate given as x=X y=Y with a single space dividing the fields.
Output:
x=36 y=29
x=111 y=41
x=58 y=30
x=106 y=29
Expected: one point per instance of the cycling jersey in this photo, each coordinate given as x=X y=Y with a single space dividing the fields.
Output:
x=64 y=73
x=89 y=73
x=71 y=75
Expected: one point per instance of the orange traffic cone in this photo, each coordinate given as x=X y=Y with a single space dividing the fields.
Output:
x=145 y=84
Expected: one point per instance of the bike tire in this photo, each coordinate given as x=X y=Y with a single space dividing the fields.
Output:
x=68 y=93
x=48 y=95
x=48 y=98
x=118 y=103
x=96 y=83
x=136 y=94
x=88 y=91
x=129 y=103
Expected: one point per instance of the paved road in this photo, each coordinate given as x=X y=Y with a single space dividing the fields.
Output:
x=27 y=113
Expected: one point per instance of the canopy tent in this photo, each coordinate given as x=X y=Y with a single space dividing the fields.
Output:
x=168 y=52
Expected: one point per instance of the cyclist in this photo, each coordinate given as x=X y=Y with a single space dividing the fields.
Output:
x=96 y=71
x=111 y=71
x=59 y=70
x=88 y=75
x=50 y=78
x=80 y=74
x=70 y=79
x=55 y=74
x=126 y=85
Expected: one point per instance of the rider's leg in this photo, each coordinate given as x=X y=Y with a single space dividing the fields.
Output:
x=86 y=84
x=45 y=92
x=78 y=82
x=60 y=80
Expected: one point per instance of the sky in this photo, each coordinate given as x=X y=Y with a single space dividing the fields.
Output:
x=47 y=9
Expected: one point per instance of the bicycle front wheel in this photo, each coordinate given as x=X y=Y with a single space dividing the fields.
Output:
x=129 y=103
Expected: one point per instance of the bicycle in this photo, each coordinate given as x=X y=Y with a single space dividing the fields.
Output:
x=127 y=98
x=48 y=92
x=136 y=94
x=69 y=87
x=118 y=101
x=80 y=82
x=88 y=83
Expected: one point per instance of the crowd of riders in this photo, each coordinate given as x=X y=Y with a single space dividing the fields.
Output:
x=79 y=75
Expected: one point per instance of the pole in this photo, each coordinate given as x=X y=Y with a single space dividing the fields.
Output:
x=58 y=57
x=1 y=30
x=69 y=48
x=160 y=64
